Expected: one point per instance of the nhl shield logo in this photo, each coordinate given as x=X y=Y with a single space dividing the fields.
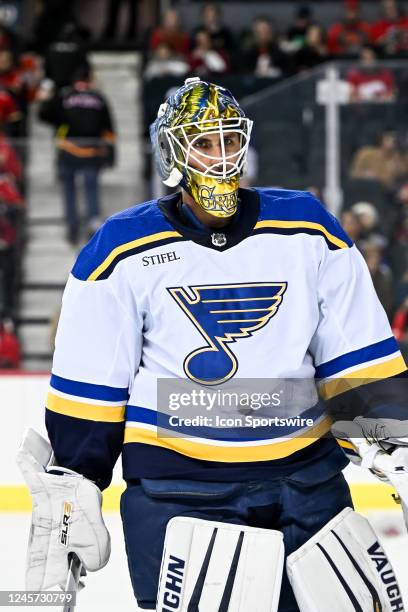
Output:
x=219 y=239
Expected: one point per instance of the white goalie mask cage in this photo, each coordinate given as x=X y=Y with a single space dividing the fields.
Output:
x=182 y=140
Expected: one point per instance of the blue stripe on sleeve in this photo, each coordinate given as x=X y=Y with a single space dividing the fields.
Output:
x=91 y=391
x=141 y=415
x=360 y=356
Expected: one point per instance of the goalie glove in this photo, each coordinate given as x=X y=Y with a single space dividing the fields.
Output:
x=381 y=446
x=362 y=438
x=66 y=517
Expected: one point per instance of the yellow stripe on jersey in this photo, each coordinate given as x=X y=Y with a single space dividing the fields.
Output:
x=346 y=444
x=363 y=376
x=228 y=454
x=304 y=224
x=128 y=246
x=81 y=410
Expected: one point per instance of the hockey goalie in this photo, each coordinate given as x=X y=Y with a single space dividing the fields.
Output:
x=211 y=286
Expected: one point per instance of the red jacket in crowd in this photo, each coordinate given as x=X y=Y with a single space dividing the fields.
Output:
x=344 y=38
x=178 y=41
x=391 y=33
x=376 y=85
x=9 y=160
x=9 y=110
x=10 y=353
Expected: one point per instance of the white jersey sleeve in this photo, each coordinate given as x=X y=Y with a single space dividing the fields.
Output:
x=353 y=339
x=98 y=347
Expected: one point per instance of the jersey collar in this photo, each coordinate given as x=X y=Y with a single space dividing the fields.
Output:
x=220 y=239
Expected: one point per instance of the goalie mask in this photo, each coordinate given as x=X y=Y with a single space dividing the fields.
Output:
x=200 y=140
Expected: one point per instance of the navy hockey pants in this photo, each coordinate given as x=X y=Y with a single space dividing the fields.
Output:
x=293 y=505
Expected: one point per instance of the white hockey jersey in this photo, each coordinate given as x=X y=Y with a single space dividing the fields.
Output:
x=281 y=292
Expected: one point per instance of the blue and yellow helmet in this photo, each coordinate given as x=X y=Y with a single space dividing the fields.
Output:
x=195 y=110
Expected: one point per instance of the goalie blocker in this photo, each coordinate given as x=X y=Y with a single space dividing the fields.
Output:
x=219 y=567
x=68 y=535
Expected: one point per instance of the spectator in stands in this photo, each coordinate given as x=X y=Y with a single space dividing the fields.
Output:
x=297 y=31
x=384 y=162
x=65 y=55
x=352 y=226
x=16 y=81
x=211 y=22
x=381 y=276
x=20 y=71
x=11 y=176
x=369 y=81
x=10 y=164
x=313 y=52
x=348 y=36
x=171 y=33
x=31 y=72
x=11 y=173
x=10 y=114
x=165 y=62
x=204 y=59
x=85 y=144
x=10 y=352
x=261 y=52
x=368 y=219
x=390 y=33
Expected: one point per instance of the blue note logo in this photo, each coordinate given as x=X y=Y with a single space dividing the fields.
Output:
x=223 y=314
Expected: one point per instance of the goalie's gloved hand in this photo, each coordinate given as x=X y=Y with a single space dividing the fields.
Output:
x=369 y=441
x=382 y=447
x=67 y=517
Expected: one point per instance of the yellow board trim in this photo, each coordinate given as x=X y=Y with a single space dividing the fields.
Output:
x=306 y=224
x=366 y=497
x=131 y=245
x=80 y=410
x=352 y=380
x=228 y=454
